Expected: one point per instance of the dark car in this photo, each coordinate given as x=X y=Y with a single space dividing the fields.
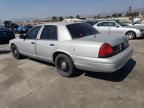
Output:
x=23 y=29
x=6 y=35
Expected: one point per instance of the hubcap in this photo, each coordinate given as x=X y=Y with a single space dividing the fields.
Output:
x=15 y=52
x=130 y=35
x=63 y=65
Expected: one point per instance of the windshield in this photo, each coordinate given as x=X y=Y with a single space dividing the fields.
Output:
x=121 y=23
x=80 y=30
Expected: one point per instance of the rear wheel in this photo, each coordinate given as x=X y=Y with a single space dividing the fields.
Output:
x=131 y=35
x=15 y=52
x=64 y=65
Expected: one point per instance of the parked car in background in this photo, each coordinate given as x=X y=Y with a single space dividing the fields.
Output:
x=6 y=35
x=91 y=22
x=138 y=25
x=73 y=20
x=29 y=26
x=72 y=46
x=10 y=25
x=119 y=28
x=23 y=29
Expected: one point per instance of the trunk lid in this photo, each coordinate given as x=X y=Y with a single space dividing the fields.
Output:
x=101 y=38
x=92 y=44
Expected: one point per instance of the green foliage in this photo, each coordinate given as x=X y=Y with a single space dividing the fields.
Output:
x=61 y=18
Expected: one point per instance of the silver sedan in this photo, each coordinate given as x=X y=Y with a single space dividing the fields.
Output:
x=72 y=46
x=119 y=28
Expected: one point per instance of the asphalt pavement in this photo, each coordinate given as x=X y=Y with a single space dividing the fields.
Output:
x=29 y=83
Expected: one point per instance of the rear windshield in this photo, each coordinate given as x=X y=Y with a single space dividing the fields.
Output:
x=80 y=30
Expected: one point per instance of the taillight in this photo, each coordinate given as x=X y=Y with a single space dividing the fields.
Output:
x=106 y=50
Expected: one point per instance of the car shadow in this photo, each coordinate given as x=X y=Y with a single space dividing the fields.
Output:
x=4 y=51
x=117 y=76
x=140 y=38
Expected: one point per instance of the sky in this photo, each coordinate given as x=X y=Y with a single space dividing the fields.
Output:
x=46 y=8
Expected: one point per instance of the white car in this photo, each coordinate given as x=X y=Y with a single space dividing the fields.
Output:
x=119 y=28
x=73 y=46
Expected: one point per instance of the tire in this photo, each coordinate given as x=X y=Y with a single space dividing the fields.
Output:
x=64 y=65
x=15 y=52
x=131 y=35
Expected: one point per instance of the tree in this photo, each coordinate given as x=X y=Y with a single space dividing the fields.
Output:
x=135 y=14
x=114 y=15
x=61 y=18
x=119 y=15
x=95 y=17
x=107 y=16
x=71 y=17
x=54 y=18
x=98 y=16
x=129 y=14
x=78 y=16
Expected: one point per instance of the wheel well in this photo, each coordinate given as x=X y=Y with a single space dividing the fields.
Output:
x=57 y=53
x=130 y=31
x=12 y=44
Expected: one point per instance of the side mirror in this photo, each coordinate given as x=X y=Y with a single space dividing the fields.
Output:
x=22 y=36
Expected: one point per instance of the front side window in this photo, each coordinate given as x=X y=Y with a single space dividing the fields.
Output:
x=32 y=34
x=80 y=30
x=49 y=33
x=101 y=24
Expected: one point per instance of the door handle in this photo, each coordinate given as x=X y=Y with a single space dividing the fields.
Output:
x=51 y=44
x=32 y=42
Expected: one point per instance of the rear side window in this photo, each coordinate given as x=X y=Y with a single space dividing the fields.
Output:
x=80 y=30
x=49 y=33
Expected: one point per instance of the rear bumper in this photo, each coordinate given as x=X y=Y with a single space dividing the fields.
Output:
x=111 y=64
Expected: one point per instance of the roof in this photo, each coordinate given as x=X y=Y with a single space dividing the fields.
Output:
x=60 y=23
x=4 y=29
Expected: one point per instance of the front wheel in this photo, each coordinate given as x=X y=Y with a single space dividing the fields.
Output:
x=131 y=35
x=15 y=52
x=64 y=65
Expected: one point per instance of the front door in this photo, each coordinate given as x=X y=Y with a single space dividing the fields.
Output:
x=28 y=45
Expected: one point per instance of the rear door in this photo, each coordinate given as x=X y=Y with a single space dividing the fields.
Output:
x=27 y=46
x=116 y=29
x=47 y=43
x=113 y=27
